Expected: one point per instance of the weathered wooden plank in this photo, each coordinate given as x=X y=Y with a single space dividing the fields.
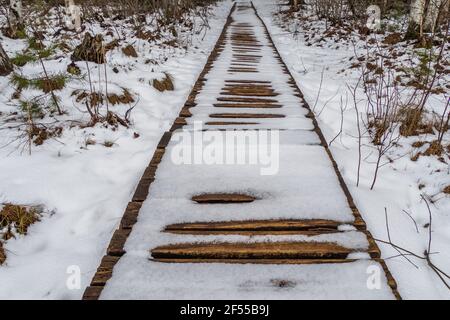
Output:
x=246 y=115
x=255 y=250
x=223 y=198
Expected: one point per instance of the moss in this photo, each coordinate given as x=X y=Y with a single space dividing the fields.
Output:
x=53 y=82
x=35 y=44
x=73 y=69
x=22 y=59
x=32 y=108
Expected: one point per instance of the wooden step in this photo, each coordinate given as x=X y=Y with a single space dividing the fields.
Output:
x=223 y=198
x=247 y=86
x=247 y=105
x=246 y=81
x=241 y=70
x=230 y=123
x=246 y=115
x=248 y=94
x=255 y=261
x=246 y=99
x=253 y=251
x=257 y=227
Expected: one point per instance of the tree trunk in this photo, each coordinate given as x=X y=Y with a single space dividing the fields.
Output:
x=424 y=17
x=5 y=64
x=416 y=18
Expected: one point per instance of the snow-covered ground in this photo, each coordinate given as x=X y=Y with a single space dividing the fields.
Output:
x=84 y=185
x=401 y=182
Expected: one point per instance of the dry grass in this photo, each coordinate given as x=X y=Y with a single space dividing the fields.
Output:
x=124 y=98
x=435 y=149
x=2 y=254
x=17 y=217
x=446 y=190
x=165 y=84
x=96 y=99
x=129 y=51
x=418 y=144
x=412 y=122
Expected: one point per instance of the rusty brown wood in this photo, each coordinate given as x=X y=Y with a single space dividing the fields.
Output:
x=247 y=105
x=223 y=198
x=252 y=250
x=246 y=115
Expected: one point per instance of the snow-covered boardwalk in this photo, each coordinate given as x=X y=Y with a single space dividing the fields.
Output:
x=284 y=228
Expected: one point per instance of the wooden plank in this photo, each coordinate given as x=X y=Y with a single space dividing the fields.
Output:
x=104 y=271
x=258 y=225
x=92 y=293
x=252 y=250
x=247 y=105
x=129 y=218
x=165 y=139
x=141 y=192
x=246 y=115
x=247 y=81
x=223 y=198
x=256 y=261
x=231 y=123
x=116 y=246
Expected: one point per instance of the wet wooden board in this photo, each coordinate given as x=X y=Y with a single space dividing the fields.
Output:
x=223 y=198
x=246 y=115
x=254 y=251
x=247 y=105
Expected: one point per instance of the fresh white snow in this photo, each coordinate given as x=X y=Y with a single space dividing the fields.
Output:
x=87 y=187
x=398 y=184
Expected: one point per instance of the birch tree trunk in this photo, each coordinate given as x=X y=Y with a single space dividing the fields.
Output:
x=5 y=63
x=424 y=16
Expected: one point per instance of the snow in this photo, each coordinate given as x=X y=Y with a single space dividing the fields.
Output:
x=88 y=186
x=304 y=187
x=291 y=192
x=245 y=281
x=397 y=188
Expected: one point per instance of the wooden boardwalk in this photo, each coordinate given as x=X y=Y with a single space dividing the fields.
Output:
x=298 y=229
